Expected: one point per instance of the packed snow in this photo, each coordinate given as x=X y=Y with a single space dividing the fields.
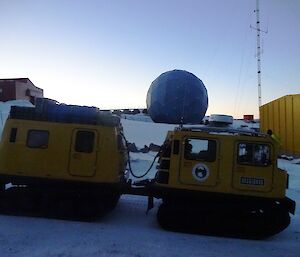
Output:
x=128 y=231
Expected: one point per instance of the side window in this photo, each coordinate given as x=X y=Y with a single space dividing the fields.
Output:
x=38 y=139
x=166 y=149
x=13 y=135
x=253 y=154
x=84 y=141
x=200 y=149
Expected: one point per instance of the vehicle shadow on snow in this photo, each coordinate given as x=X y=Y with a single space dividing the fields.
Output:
x=132 y=210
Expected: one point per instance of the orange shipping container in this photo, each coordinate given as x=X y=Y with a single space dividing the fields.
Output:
x=282 y=116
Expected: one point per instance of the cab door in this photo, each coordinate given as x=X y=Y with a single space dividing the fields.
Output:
x=253 y=167
x=199 y=162
x=83 y=154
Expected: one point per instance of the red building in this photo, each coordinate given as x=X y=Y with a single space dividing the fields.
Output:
x=19 y=88
x=248 y=117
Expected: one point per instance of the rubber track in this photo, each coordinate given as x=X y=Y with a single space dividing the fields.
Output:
x=251 y=223
x=24 y=202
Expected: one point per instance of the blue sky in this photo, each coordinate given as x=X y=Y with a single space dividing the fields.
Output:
x=107 y=53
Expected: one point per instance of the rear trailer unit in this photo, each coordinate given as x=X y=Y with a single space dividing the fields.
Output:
x=61 y=160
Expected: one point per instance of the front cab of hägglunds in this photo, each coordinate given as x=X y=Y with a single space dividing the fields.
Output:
x=76 y=163
x=217 y=180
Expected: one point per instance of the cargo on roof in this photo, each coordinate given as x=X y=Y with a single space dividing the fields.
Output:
x=51 y=111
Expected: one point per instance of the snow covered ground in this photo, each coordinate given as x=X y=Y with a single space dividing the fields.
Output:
x=128 y=231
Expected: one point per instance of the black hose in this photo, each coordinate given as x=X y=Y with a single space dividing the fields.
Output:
x=129 y=161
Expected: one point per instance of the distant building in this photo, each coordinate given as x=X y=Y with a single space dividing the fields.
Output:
x=19 y=88
x=282 y=116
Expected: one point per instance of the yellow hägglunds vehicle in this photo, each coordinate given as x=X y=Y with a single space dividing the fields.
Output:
x=62 y=160
x=221 y=181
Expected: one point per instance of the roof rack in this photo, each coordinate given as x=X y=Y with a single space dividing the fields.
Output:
x=209 y=129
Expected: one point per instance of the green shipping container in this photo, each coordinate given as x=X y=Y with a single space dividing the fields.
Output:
x=282 y=116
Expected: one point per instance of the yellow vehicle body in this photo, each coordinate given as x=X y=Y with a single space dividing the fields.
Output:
x=103 y=161
x=61 y=169
x=222 y=182
x=227 y=174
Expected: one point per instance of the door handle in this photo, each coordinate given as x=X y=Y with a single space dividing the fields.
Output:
x=187 y=164
x=77 y=156
x=239 y=169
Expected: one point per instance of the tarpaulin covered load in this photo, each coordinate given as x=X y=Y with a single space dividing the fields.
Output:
x=177 y=97
x=52 y=111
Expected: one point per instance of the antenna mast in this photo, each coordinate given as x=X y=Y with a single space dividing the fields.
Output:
x=258 y=52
